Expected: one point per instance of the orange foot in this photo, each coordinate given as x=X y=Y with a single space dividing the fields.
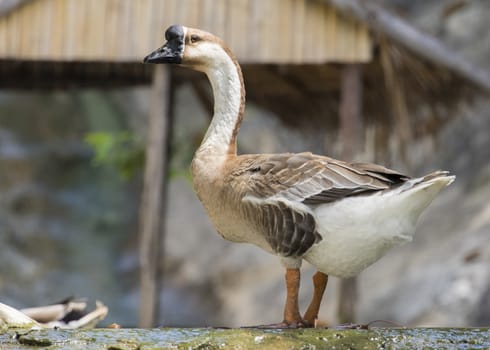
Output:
x=283 y=325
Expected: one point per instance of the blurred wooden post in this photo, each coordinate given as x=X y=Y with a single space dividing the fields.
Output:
x=351 y=123
x=153 y=198
x=352 y=140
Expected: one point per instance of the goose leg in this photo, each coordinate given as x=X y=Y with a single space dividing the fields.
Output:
x=319 y=283
x=292 y=317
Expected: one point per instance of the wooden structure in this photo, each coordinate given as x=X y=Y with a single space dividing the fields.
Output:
x=290 y=50
x=300 y=58
x=273 y=31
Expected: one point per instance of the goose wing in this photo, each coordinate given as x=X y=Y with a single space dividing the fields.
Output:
x=311 y=179
x=280 y=189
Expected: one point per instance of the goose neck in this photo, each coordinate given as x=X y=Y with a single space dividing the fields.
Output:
x=229 y=102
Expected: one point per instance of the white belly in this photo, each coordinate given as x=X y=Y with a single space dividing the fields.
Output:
x=356 y=232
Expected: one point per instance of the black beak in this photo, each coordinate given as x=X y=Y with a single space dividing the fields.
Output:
x=168 y=53
x=172 y=51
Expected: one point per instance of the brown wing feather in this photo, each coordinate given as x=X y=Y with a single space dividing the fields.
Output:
x=289 y=232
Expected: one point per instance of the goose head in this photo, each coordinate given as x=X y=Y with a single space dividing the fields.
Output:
x=190 y=47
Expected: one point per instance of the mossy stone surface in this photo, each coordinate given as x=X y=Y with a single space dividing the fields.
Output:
x=208 y=338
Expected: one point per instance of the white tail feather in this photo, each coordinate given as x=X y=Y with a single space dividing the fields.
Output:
x=416 y=194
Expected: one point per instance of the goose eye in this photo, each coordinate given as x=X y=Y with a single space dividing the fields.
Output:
x=195 y=38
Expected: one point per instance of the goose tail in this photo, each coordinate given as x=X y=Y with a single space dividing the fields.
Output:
x=436 y=181
x=441 y=176
x=416 y=194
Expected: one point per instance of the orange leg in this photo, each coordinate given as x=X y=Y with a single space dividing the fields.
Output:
x=319 y=283
x=292 y=316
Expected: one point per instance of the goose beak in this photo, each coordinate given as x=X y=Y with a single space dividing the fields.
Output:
x=168 y=53
x=172 y=51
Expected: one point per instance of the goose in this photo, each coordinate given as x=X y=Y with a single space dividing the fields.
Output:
x=340 y=217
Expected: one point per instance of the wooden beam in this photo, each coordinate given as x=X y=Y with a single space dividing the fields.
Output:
x=152 y=208
x=351 y=121
x=352 y=140
x=404 y=34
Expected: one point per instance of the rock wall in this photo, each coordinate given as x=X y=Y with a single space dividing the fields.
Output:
x=64 y=225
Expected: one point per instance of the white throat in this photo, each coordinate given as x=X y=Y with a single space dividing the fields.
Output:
x=225 y=79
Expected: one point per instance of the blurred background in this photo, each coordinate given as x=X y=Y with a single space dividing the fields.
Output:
x=77 y=108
